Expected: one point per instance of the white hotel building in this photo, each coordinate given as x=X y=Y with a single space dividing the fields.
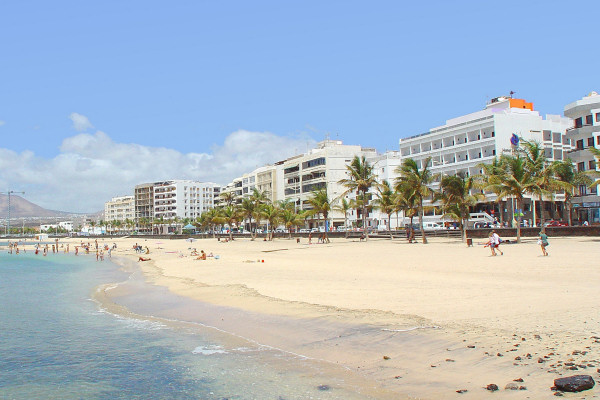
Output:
x=175 y=198
x=585 y=133
x=464 y=142
x=119 y=209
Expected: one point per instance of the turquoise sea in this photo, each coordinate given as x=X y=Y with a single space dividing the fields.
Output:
x=58 y=342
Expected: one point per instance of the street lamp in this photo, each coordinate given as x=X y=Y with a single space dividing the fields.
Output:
x=9 y=193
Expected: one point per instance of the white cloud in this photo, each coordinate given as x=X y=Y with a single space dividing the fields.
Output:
x=81 y=123
x=92 y=168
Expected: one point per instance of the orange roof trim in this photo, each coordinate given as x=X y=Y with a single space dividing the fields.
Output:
x=520 y=103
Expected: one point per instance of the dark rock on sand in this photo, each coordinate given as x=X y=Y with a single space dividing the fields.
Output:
x=522 y=387
x=511 y=386
x=575 y=383
x=462 y=391
x=492 y=387
x=323 y=387
x=518 y=380
x=386 y=357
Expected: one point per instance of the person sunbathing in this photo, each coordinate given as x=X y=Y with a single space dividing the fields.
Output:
x=202 y=255
x=144 y=259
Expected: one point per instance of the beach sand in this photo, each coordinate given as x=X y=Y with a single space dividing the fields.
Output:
x=420 y=321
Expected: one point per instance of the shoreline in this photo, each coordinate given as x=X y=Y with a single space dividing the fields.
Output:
x=488 y=311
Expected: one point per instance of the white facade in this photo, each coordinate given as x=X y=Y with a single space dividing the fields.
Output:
x=183 y=198
x=323 y=166
x=459 y=146
x=384 y=167
x=585 y=133
x=119 y=209
x=464 y=142
x=66 y=225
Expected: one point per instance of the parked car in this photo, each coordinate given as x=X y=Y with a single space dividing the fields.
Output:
x=553 y=222
x=304 y=230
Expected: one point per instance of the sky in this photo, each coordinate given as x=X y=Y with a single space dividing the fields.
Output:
x=96 y=97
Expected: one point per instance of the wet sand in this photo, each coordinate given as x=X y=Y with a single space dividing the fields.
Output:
x=419 y=320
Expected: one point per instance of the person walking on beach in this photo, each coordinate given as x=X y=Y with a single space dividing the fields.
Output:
x=543 y=242
x=495 y=243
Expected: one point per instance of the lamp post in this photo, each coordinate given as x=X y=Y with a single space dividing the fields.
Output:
x=9 y=193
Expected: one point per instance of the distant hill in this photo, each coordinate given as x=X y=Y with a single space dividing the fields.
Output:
x=21 y=208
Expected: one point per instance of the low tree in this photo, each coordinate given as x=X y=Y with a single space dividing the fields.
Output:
x=384 y=201
x=456 y=195
x=344 y=206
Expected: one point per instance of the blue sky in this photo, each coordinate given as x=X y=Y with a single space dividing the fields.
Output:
x=183 y=77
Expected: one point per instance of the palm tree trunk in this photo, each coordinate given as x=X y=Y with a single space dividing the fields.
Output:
x=463 y=231
x=346 y=224
x=421 y=221
x=541 y=214
x=390 y=226
x=364 y=216
x=519 y=207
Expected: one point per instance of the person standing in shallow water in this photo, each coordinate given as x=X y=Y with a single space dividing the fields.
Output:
x=543 y=242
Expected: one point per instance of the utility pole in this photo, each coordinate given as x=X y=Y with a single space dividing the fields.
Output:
x=9 y=193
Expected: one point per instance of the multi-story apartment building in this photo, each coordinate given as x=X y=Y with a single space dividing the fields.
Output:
x=175 y=198
x=322 y=167
x=464 y=142
x=119 y=209
x=585 y=133
x=262 y=178
x=144 y=202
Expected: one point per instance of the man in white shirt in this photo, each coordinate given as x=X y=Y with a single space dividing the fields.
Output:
x=495 y=242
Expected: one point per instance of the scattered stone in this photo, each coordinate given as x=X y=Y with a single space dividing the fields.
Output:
x=500 y=355
x=323 y=387
x=386 y=357
x=541 y=360
x=522 y=387
x=575 y=352
x=528 y=355
x=433 y=366
x=397 y=377
x=582 y=366
x=568 y=364
x=470 y=347
x=492 y=387
x=518 y=380
x=511 y=386
x=537 y=336
x=559 y=394
x=523 y=339
x=517 y=358
x=575 y=383
x=573 y=368
x=449 y=360
x=516 y=345
x=462 y=391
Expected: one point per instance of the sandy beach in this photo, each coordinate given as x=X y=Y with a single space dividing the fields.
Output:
x=414 y=320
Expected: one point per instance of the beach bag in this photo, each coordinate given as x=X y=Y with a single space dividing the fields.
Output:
x=539 y=241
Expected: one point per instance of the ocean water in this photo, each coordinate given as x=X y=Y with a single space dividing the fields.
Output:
x=57 y=342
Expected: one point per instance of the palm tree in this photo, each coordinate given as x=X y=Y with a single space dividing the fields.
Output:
x=456 y=196
x=271 y=213
x=569 y=179
x=514 y=181
x=384 y=201
x=227 y=197
x=290 y=219
x=159 y=221
x=247 y=209
x=344 y=206
x=361 y=180
x=482 y=181
x=229 y=215
x=414 y=181
x=543 y=181
x=259 y=198
x=319 y=201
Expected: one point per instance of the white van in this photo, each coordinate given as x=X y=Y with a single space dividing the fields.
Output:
x=432 y=226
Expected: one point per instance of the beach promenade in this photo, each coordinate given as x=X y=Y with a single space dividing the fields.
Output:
x=421 y=321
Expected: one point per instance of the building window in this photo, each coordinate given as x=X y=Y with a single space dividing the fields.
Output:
x=588 y=120
x=581 y=166
x=598 y=139
x=558 y=154
x=590 y=142
x=592 y=164
x=578 y=122
x=582 y=190
x=556 y=137
x=580 y=144
x=313 y=163
x=598 y=117
x=547 y=135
